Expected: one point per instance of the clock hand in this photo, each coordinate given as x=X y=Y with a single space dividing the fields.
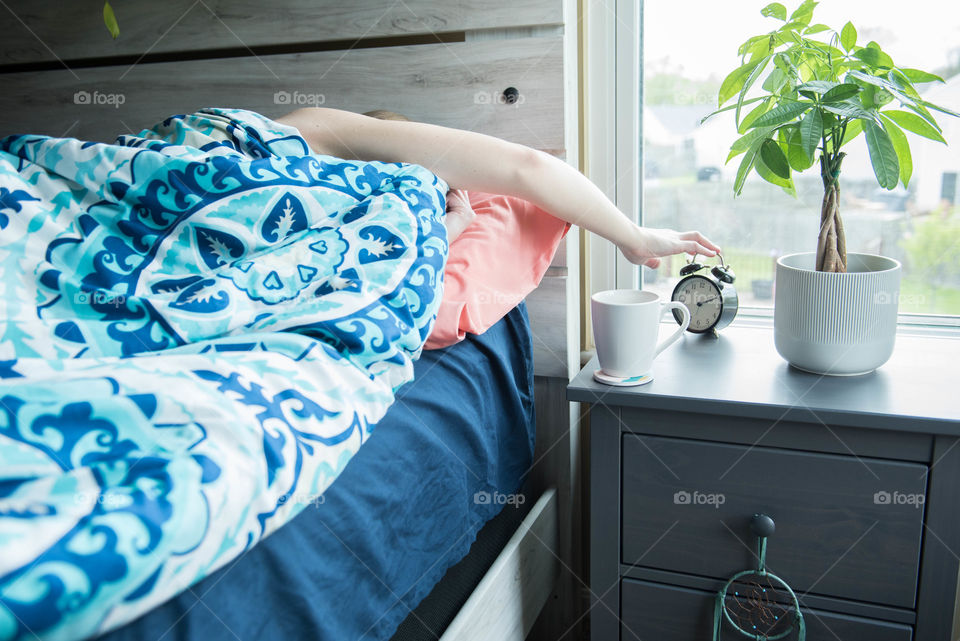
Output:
x=707 y=301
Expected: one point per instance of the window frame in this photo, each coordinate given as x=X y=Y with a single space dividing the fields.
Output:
x=614 y=108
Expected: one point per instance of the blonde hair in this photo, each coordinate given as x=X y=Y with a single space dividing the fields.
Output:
x=383 y=114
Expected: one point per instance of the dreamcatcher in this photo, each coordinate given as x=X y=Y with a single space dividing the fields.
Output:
x=759 y=605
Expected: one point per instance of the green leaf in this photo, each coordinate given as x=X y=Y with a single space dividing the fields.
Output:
x=775 y=81
x=796 y=156
x=729 y=108
x=785 y=64
x=749 y=160
x=841 y=92
x=818 y=87
x=921 y=111
x=848 y=36
x=902 y=147
x=916 y=75
x=774 y=10
x=110 y=20
x=774 y=158
x=901 y=82
x=886 y=85
x=874 y=57
x=854 y=129
x=881 y=97
x=758 y=49
x=811 y=130
x=790 y=29
x=782 y=113
x=804 y=12
x=943 y=110
x=914 y=123
x=850 y=109
x=762 y=64
x=815 y=28
x=732 y=84
x=767 y=174
x=755 y=113
x=747 y=141
x=883 y=156
x=746 y=46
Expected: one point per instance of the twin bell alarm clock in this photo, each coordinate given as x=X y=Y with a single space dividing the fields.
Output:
x=708 y=294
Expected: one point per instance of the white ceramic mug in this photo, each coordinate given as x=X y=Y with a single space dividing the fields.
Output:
x=626 y=325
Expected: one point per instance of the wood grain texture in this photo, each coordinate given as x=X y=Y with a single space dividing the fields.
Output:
x=831 y=527
x=812 y=437
x=605 y=453
x=551 y=469
x=455 y=85
x=941 y=545
x=48 y=30
x=667 y=613
x=546 y=306
x=515 y=587
x=807 y=600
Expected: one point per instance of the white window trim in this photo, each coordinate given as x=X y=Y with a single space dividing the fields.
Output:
x=613 y=85
x=612 y=108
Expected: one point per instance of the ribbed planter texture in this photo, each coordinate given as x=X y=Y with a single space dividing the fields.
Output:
x=841 y=324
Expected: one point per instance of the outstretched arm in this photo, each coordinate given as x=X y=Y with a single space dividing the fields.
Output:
x=474 y=161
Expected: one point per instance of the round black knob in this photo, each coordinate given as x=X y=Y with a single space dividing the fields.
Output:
x=762 y=525
x=510 y=95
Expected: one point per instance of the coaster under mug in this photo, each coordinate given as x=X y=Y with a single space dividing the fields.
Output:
x=621 y=381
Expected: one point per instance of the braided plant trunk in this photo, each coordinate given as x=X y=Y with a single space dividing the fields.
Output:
x=831 y=243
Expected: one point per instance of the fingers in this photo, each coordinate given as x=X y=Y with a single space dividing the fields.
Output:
x=693 y=247
x=701 y=241
x=652 y=263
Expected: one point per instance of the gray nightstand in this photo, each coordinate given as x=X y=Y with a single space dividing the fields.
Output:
x=861 y=476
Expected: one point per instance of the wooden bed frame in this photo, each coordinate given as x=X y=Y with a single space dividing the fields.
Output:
x=453 y=64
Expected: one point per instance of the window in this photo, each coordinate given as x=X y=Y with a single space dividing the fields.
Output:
x=688 y=48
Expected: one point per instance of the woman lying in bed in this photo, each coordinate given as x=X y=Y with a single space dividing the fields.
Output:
x=204 y=322
x=472 y=161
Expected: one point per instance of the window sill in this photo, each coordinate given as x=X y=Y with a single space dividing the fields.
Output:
x=908 y=324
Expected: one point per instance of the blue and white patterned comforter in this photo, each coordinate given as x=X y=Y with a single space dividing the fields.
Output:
x=198 y=326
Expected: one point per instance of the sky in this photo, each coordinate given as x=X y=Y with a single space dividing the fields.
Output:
x=701 y=37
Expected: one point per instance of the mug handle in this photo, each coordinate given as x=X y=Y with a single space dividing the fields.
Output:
x=667 y=342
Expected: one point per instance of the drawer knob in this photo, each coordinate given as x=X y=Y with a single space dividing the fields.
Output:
x=510 y=95
x=762 y=525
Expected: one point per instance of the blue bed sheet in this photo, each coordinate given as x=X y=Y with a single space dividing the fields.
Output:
x=406 y=508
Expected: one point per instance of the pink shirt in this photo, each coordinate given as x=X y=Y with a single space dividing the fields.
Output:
x=494 y=263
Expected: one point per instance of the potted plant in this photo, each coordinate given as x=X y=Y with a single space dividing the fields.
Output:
x=834 y=312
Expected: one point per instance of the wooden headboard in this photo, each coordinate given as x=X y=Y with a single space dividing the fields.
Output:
x=448 y=63
x=441 y=62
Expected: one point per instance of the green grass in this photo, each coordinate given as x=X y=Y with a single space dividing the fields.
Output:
x=918 y=297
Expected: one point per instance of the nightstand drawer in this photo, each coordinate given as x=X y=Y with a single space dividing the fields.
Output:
x=846 y=527
x=668 y=613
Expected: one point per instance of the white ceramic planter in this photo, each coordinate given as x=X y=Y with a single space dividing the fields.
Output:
x=839 y=324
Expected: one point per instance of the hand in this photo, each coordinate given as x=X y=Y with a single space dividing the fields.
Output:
x=646 y=246
x=459 y=213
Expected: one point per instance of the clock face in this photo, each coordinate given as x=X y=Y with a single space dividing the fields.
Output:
x=704 y=300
